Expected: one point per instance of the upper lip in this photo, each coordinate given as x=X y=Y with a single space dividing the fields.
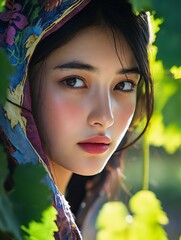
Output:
x=97 y=139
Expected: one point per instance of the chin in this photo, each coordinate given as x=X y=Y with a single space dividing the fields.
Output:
x=89 y=172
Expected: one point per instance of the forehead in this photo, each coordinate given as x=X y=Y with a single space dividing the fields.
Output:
x=97 y=44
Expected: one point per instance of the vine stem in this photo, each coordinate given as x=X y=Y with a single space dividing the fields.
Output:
x=146 y=162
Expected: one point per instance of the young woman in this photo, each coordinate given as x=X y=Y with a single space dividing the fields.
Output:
x=82 y=85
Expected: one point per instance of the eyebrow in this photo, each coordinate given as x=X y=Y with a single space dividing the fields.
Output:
x=87 y=67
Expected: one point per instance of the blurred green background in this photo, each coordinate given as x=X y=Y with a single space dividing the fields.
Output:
x=164 y=181
x=163 y=141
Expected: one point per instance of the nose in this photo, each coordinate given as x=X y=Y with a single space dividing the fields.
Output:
x=101 y=114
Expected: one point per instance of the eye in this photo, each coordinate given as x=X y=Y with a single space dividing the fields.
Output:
x=74 y=82
x=125 y=86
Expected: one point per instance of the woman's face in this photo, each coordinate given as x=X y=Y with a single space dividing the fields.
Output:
x=88 y=100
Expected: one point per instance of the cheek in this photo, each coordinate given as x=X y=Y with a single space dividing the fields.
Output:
x=123 y=118
x=129 y=112
x=60 y=114
x=126 y=110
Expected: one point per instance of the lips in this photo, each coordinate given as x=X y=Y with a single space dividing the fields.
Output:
x=95 y=145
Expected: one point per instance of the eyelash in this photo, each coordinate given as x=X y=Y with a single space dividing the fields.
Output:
x=131 y=83
x=64 y=81
x=74 y=78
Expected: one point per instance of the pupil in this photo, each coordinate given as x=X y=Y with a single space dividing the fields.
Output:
x=71 y=81
x=121 y=85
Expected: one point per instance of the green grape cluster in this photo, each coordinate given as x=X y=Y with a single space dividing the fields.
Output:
x=116 y=223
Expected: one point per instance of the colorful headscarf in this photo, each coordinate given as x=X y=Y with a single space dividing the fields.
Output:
x=22 y=26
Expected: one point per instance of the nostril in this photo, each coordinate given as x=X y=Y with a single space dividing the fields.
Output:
x=101 y=119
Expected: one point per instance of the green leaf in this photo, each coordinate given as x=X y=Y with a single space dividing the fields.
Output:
x=148 y=217
x=174 y=134
x=176 y=71
x=114 y=221
x=8 y=223
x=44 y=229
x=147 y=207
x=165 y=127
x=26 y=202
x=141 y=5
x=30 y=196
x=116 y=211
x=2 y=3
x=168 y=38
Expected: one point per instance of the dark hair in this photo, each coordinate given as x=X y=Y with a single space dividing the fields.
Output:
x=118 y=16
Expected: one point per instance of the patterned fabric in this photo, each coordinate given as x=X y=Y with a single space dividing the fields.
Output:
x=22 y=26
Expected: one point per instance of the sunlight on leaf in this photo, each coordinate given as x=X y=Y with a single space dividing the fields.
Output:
x=167 y=100
x=44 y=229
x=169 y=137
x=156 y=131
x=148 y=217
x=156 y=67
x=176 y=71
x=116 y=211
x=148 y=208
x=2 y=3
x=175 y=143
x=109 y=229
x=116 y=223
x=155 y=26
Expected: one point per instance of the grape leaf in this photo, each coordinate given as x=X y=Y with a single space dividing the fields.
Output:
x=8 y=223
x=116 y=211
x=26 y=202
x=44 y=229
x=112 y=221
x=147 y=207
x=148 y=217
x=115 y=222
x=30 y=196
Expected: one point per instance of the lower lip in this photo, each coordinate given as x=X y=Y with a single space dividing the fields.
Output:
x=94 y=148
